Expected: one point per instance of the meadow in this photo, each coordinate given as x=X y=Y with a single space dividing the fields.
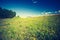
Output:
x=31 y=28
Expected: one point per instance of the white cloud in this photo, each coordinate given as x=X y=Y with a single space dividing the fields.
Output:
x=35 y=1
x=59 y=11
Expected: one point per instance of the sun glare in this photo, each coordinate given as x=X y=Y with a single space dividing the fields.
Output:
x=26 y=14
x=23 y=16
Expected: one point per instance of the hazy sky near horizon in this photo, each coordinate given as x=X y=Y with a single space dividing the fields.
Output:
x=30 y=7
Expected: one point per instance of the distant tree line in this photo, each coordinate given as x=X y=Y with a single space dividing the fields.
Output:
x=5 y=13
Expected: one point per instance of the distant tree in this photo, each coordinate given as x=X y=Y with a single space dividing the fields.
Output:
x=4 y=13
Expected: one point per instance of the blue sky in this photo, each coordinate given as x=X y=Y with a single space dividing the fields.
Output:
x=30 y=7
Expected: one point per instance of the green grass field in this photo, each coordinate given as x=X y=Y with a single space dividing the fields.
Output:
x=33 y=28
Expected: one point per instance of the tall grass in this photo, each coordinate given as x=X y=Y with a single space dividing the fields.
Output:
x=35 y=28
